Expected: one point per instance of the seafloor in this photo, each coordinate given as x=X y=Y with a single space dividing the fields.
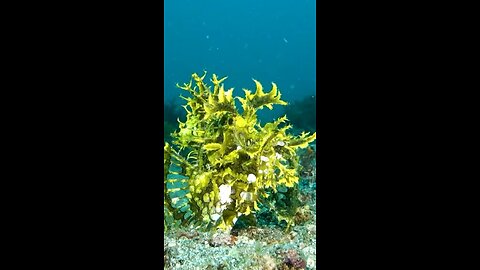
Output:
x=262 y=247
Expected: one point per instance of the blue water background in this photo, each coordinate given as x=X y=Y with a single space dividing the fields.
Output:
x=269 y=40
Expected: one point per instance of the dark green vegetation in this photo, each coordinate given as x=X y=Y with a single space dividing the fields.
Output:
x=303 y=113
x=171 y=113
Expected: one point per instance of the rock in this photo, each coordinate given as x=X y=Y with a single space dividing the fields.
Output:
x=311 y=262
x=312 y=228
x=221 y=239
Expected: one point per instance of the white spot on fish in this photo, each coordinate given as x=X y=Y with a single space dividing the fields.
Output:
x=215 y=217
x=251 y=178
x=225 y=191
x=246 y=196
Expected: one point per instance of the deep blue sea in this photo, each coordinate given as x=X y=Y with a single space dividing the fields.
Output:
x=268 y=40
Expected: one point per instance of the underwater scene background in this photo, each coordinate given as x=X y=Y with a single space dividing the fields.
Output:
x=274 y=223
